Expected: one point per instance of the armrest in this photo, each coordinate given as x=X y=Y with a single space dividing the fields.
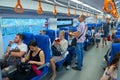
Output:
x=8 y=70
x=46 y=64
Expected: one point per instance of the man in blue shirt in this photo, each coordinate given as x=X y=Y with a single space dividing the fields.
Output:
x=105 y=30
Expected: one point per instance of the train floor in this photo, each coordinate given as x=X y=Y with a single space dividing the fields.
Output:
x=92 y=66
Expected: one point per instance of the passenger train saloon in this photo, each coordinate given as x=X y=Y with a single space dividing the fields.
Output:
x=59 y=40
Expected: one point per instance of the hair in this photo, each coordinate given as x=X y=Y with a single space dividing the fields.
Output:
x=33 y=43
x=43 y=31
x=117 y=40
x=93 y=27
x=20 y=36
x=62 y=32
x=115 y=59
x=83 y=16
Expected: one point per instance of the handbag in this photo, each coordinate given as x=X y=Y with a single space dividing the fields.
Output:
x=109 y=38
x=24 y=67
x=55 y=51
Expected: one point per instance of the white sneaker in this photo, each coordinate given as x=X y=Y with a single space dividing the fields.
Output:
x=68 y=67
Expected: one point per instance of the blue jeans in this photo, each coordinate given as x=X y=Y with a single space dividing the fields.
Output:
x=79 y=53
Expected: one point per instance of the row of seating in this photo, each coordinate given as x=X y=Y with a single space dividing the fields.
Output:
x=115 y=46
x=44 y=43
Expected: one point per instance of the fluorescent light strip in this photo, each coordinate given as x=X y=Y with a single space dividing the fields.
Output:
x=81 y=3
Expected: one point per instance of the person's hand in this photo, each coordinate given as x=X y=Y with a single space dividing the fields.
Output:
x=23 y=60
x=31 y=62
x=70 y=33
x=6 y=55
x=11 y=42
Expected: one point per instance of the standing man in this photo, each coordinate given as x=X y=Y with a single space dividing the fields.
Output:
x=80 y=36
x=105 y=30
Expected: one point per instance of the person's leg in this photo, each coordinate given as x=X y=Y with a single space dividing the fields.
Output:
x=6 y=78
x=53 y=67
x=79 y=56
x=103 y=40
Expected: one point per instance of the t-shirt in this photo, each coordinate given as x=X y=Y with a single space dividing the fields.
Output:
x=93 y=32
x=106 y=28
x=98 y=35
x=63 y=46
x=70 y=40
x=22 y=47
x=81 y=29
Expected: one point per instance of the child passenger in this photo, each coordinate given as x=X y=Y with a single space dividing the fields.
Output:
x=98 y=38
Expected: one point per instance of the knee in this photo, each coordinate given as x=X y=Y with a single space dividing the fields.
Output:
x=52 y=60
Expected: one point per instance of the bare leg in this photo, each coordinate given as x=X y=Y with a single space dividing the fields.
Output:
x=96 y=45
x=6 y=78
x=103 y=40
x=52 y=63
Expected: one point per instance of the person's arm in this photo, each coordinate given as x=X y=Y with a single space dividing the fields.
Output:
x=27 y=56
x=107 y=73
x=23 y=50
x=8 y=48
x=17 y=54
x=42 y=59
x=63 y=47
x=76 y=34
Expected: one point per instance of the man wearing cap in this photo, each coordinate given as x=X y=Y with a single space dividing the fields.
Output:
x=105 y=30
x=80 y=36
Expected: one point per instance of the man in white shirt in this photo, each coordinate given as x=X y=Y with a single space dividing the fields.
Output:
x=19 y=50
x=80 y=35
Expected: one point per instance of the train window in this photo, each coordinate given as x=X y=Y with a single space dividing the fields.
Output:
x=64 y=22
x=13 y=26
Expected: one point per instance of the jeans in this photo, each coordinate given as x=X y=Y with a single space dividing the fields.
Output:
x=71 y=51
x=79 y=53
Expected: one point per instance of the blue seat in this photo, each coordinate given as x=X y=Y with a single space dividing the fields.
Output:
x=51 y=34
x=64 y=28
x=118 y=33
x=44 y=44
x=115 y=50
x=116 y=36
x=27 y=37
x=60 y=63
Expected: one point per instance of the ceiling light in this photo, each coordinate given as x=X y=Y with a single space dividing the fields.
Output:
x=81 y=3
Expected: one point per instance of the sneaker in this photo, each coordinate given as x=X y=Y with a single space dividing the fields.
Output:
x=76 y=68
x=68 y=67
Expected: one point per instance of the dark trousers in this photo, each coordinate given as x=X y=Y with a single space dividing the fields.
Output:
x=71 y=50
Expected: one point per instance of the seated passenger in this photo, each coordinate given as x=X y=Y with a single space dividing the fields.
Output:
x=19 y=50
x=71 y=49
x=36 y=58
x=111 y=70
x=42 y=32
x=93 y=31
x=108 y=54
x=59 y=48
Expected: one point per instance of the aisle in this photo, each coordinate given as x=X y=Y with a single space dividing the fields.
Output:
x=92 y=69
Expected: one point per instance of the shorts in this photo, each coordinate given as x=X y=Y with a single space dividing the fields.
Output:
x=57 y=58
x=97 y=40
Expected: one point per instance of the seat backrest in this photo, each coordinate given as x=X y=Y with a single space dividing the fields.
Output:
x=118 y=33
x=115 y=50
x=51 y=34
x=116 y=37
x=44 y=43
x=27 y=37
